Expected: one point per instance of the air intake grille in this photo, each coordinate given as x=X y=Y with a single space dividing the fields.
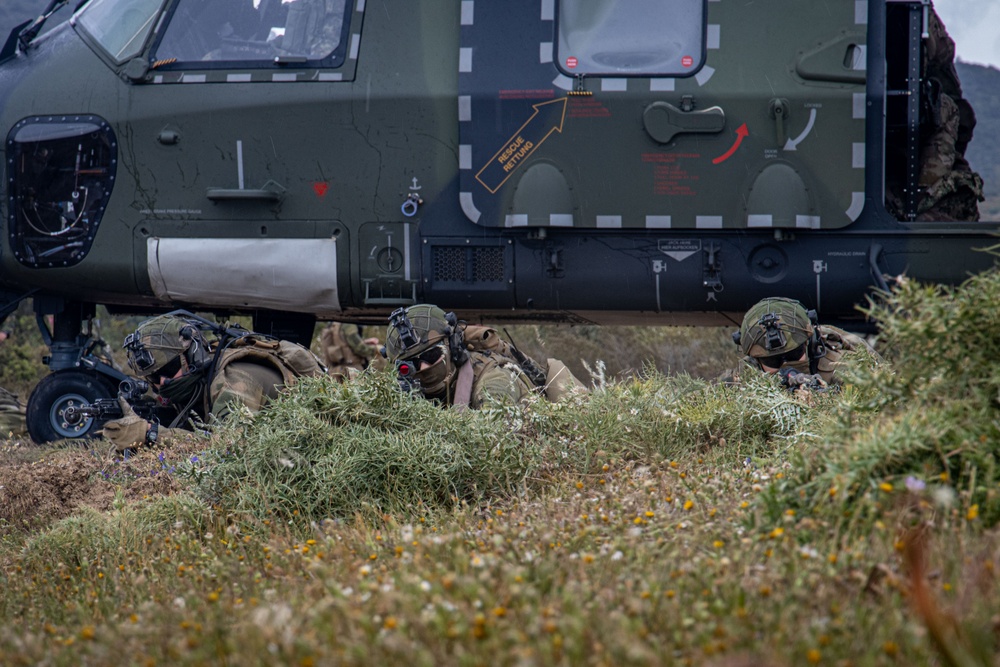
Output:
x=468 y=265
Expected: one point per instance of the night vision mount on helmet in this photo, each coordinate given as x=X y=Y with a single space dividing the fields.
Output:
x=775 y=325
x=166 y=344
x=777 y=330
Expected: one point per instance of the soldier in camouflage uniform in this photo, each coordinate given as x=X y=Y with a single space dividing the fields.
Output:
x=11 y=411
x=779 y=336
x=343 y=350
x=203 y=379
x=463 y=366
x=949 y=188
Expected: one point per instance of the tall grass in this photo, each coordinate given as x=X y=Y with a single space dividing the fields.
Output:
x=332 y=451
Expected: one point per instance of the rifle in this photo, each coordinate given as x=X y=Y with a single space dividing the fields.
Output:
x=108 y=408
x=531 y=369
x=792 y=379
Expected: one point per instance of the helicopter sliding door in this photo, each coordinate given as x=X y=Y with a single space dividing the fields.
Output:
x=648 y=115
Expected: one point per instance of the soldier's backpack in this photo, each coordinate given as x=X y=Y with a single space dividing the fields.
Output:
x=291 y=360
x=479 y=338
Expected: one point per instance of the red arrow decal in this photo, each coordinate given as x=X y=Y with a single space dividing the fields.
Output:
x=741 y=133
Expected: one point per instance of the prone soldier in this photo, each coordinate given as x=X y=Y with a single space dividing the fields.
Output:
x=343 y=350
x=465 y=366
x=779 y=335
x=204 y=372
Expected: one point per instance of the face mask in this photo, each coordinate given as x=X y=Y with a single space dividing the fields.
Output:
x=801 y=366
x=181 y=390
x=435 y=379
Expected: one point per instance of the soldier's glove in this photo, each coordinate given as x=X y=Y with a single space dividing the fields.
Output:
x=129 y=431
x=793 y=379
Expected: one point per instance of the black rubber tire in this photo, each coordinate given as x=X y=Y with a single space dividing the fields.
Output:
x=54 y=394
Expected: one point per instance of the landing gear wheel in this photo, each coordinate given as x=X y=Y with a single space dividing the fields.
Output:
x=50 y=398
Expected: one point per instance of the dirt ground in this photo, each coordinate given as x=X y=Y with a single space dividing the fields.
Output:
x=40 y=485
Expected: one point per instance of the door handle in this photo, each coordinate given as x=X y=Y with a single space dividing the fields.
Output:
x=271 y=191
x=663 y=121
x=778 y=110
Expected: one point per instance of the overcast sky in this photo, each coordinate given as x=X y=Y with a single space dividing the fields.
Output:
x=975 y=27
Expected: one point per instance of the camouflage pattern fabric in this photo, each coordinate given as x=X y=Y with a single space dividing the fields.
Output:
x=243 y=383
x=343 y=349
x=949 y=188
x=12 y=422
x=253 y=373
x=495 y=378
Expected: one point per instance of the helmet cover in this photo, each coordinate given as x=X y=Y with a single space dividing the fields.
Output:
x=414 y=330
x=160 y=340
x=774 y=326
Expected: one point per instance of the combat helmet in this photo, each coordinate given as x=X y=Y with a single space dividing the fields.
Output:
x=774 y=330
x=164 y=344
x=415 y=329
x=433 y=339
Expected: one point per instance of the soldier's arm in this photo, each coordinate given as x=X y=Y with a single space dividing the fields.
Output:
x=360 y=347
x=501 y=385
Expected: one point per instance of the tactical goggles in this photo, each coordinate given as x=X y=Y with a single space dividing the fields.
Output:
x=430 y=356
x=408 y=367
x=778 y=360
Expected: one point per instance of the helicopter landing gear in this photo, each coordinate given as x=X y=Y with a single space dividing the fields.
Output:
x=48 y=402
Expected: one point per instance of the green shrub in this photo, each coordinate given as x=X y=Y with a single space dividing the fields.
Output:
x=931 y=417
x=330 y=450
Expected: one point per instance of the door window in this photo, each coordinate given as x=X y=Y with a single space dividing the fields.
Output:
x=631 y=37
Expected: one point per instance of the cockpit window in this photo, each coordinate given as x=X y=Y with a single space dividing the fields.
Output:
x=60 y=173
x=119 y=26
x=636 y=37
x=255 y=33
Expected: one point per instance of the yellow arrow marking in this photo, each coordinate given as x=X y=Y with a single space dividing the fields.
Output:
x=521 y=145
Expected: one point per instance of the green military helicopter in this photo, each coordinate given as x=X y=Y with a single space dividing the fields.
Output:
x=544 y=160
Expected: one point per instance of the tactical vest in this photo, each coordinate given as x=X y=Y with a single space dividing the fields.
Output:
x=290 y=360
